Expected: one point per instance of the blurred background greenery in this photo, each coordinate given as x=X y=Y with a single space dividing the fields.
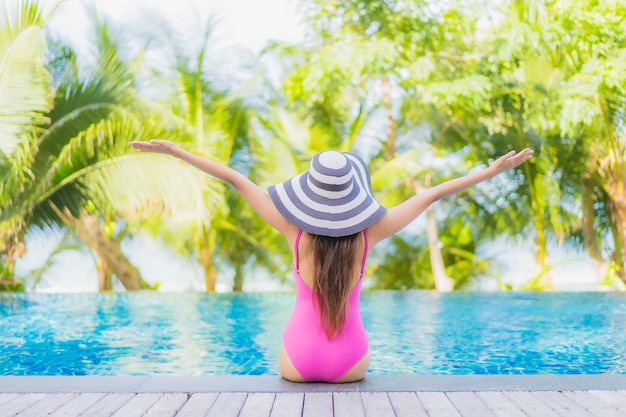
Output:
x=425 y=90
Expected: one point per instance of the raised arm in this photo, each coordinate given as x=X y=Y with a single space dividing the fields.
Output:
x=252 y=193
x=401 y=215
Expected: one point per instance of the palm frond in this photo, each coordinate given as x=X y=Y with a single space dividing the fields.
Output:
x=15 y=171
x=110 y=82
x=97 y=167
x=140 y=186
x=51 y=143
x=17 y=16
x=83 y=99
x=25 y=92
x=101 y=140
x=25 y=97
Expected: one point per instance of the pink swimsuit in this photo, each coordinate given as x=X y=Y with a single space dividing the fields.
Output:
x=314 y=356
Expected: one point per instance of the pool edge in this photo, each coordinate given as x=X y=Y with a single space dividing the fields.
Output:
x=266 y=383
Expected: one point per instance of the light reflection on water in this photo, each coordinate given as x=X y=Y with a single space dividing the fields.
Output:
x=414 y=332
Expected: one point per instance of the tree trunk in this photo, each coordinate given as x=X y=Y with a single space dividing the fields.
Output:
x=541 y=261
x=210 y=274
x=206 y=250
x=210 y=278
x=543 y=276
x=12 y=248
x=617 y=206
x=442 y=281
x=390 y=147
x=238 y=280
x=589 y=232
x=105 y=277
x=90 y=231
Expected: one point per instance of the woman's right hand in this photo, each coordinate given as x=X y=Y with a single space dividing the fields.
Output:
x=510 y=160
x=155 y=145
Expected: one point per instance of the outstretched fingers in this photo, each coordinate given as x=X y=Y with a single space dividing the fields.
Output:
x=153 y=145
x=140 y=146
x=514 y=159
x=521 y=157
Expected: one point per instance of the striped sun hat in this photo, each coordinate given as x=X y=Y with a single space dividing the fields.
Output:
x=333 y=198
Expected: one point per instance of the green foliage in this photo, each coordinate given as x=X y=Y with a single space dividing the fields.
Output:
x=402 y=264
x=25 y=94
x=404 y=261
x=455 y=83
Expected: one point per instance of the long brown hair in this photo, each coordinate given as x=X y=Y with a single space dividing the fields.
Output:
x=335 y=269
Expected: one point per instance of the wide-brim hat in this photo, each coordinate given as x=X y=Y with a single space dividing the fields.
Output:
x=333 y=197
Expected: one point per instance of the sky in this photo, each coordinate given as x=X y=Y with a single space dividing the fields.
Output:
x=241 y=23
x=248 y=23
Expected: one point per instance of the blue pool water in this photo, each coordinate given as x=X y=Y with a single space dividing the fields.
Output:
x=412 y=332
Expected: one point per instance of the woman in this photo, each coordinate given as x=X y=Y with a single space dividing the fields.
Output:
x=330 y=218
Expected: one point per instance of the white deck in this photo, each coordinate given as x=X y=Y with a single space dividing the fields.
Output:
x=265 y=396
x=320 y=404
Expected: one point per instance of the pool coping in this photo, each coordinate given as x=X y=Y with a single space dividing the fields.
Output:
x=269 y=383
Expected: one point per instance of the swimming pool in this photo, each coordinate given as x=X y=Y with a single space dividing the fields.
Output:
x=413 y=332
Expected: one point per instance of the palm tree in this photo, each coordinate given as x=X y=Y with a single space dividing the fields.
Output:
x=208 y=118
x=24 y=100
x=399 y=178
x=373 y=52
x=574 y=96
x=79 y=164
x=591 y=108
x=475 y=98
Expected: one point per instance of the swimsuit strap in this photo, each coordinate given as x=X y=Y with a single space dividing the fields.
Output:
x=298 y=244
x=363 y=262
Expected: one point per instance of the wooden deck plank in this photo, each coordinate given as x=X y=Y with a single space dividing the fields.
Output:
x=437 y=404
x=77 y=405
x=499 y=404
x=258 y=404
x=468 y=404
x=614 y=398
x=348 y=404
x=561 y=404
x=377 y=404
x=593 y=404
x=406 y=404
x=168 y=405
x=289 y=404
x=5 y=398
x=318 y=404
x=21 y=403
x=198 y=405
x=529 y=404
x=227 y=404
x=138 y=405
x=108 y=405
x=49 y=404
